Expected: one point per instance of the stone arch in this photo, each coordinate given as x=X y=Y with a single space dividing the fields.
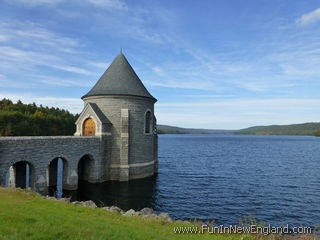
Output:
x=85 y=171
x=89 y=127
x=21 y=174
x=57 y=175
x=85 y=167
x=148 y=122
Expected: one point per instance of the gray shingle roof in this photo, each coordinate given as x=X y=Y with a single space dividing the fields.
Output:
x=119 y=79
x=96 y=110
x=99 y=113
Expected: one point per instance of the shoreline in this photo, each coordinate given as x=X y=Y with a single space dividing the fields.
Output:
x=29 y=215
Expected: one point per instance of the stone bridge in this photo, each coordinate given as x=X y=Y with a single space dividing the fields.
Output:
x=81 y=157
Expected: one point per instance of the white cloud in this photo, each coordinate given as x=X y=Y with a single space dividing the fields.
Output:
x=17 y=55
x=158 y=70
x=253 y=85
x=121 y=19
x=64 y=82
x=4 y=38
x=109 y=4
x=106 y=4
x=309 y=18
x=29 y=32
x=26 y=58
x=206 y=96
x=74 y=105
x=73 y=69
x=101 y=65
x=177 y=82
x=35 y=3
x=29 y=50
x=138 y=32
x=267 y=67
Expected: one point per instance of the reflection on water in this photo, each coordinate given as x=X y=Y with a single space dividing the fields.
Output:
x=135 y=194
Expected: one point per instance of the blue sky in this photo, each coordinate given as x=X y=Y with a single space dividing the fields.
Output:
x=223 y=64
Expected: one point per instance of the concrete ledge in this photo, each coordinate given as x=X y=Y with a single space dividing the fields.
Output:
x=132 y=165
x=136 y=171
x=145 y=175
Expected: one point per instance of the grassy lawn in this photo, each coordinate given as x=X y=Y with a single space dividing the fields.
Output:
x=25 y=215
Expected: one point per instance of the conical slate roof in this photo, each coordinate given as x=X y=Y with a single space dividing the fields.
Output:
x=119 y=79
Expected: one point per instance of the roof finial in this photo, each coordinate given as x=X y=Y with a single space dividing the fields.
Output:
x=121 y=50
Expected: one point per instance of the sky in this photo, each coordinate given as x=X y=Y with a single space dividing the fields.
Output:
x=219 y=64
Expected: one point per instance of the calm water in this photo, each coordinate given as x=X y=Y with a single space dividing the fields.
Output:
x=226 y=177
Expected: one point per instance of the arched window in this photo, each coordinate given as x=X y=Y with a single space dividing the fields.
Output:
x=89 y=127
x=148 y=122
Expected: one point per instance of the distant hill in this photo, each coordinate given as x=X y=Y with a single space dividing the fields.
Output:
x=304 y=129
x=165 y=129
x=308 y=129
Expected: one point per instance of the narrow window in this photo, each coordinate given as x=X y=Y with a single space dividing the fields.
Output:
x=147 y=122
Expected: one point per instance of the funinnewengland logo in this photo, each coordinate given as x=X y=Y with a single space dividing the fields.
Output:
x=234 y=229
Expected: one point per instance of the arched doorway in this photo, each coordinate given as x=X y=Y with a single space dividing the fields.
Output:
x=89 y=127
x=56 y=176
x=19 y=175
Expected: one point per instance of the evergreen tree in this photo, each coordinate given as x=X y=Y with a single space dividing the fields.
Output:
x=18 y=119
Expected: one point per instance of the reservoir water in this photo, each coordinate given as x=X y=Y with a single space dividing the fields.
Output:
x=275 y=179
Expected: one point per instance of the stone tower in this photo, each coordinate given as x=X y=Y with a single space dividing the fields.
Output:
x=120 y=110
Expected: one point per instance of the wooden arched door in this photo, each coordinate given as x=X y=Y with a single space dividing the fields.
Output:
x=89 y=127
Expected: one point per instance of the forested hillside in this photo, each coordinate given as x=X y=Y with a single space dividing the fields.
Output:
x=293 y=129
x=18 y=119
x=165 y=129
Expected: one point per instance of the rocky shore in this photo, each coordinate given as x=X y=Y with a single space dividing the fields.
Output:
x=144 y=213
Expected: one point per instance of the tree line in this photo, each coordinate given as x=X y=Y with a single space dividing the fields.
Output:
x=19 y=119
x=307 y=129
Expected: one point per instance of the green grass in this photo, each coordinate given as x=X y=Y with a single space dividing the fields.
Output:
x=26 y=215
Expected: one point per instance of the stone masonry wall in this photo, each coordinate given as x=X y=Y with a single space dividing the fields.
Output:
x=40 y=151
x=141 y=146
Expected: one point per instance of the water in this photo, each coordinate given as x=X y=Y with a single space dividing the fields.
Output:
x=275 y=179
